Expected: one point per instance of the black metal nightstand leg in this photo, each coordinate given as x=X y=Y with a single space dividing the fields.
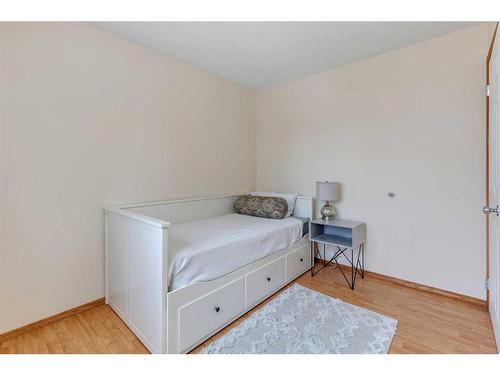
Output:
x=317 y=250
x=353 y=270
x=361 y=261
x=357 y=266
x=312 y=258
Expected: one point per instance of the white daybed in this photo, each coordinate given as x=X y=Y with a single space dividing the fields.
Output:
x=140 y=266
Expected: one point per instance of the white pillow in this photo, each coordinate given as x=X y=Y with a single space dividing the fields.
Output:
x=289 y=197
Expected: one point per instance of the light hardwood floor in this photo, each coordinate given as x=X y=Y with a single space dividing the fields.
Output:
x=427 y=323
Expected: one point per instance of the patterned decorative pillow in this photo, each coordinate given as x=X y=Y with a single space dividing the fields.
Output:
x=267 y=207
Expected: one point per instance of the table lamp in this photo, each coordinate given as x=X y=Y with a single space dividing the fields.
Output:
x=328 y=192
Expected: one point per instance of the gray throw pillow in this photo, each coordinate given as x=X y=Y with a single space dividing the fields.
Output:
x=267 y=207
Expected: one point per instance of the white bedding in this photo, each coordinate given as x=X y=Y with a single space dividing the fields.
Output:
x=207 y=249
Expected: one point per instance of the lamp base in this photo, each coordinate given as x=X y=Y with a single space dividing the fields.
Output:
x=328 y=212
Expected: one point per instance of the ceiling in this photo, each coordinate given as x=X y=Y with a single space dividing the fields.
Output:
x=264 y=54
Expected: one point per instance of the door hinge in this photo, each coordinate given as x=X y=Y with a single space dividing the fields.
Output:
x=487 y=284
x=487 y=90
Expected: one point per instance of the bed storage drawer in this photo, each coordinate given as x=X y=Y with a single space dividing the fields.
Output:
x=199 y=318
x=264 y=281
x=298 y=262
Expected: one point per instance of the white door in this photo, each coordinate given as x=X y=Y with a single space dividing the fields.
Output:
x=494 y=193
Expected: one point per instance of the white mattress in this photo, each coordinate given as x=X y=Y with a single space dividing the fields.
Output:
x=207 y=249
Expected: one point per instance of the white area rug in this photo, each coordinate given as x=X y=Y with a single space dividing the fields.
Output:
x=301 y=320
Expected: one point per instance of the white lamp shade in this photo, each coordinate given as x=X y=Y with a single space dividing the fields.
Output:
x=327 y=191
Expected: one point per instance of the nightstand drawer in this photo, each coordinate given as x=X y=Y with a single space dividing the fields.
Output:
x=298 y=262
x=264 y=281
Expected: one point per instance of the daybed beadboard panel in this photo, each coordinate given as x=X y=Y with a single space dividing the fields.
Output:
x=187 y=210
x=180 y=211
x=135 y=278
x=145 y=269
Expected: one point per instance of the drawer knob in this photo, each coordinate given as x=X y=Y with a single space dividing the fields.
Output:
x=217 y=308
x=301 y=259
x=268 y=278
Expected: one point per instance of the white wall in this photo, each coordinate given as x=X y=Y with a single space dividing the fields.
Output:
x=89 y=119
x=411 y=122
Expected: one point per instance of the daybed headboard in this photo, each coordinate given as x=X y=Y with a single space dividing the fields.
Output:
x=303 y=207
x=179 y=211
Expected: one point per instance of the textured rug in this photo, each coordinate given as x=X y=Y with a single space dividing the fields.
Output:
x=301 y=320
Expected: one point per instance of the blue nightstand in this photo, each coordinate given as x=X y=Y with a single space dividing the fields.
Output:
x=344 y=235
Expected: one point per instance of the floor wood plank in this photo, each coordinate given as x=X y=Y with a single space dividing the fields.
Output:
x=427 y=323
x=98 y=330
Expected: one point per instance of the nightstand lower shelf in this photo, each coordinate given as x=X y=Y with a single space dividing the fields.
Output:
x=331 y=239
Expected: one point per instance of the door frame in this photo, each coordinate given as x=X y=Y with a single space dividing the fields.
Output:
x=488 y=58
